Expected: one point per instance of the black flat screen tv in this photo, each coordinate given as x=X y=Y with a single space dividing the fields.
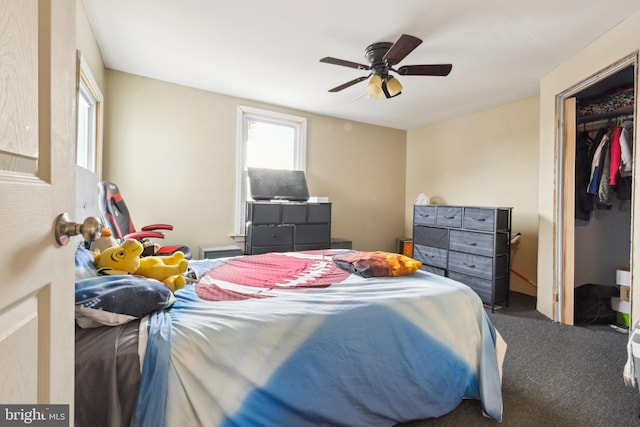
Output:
x=278 y=184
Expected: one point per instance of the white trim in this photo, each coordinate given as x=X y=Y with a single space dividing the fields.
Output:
x=301 y=161
x=559 y=243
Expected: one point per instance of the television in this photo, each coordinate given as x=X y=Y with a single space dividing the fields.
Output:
x=278 y=184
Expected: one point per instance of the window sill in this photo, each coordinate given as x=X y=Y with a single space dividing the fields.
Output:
x=238 y=238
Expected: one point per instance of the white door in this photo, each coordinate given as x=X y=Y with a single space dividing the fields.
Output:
x=37 y=134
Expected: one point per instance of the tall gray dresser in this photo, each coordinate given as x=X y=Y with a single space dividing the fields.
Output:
x=469 y=244
x=287 y=226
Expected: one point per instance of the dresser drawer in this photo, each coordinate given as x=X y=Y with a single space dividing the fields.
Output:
x=473 y=265
x=320 y=212
x=431 y=236
x=434 y=270
x=484 y=288
x=294 y=214
x=449 y=216
x=434 y=257
x=479 y=219
x=470 y=242
x=262 y=235
x=424 y=215
x=263 y=213
x=311 y=234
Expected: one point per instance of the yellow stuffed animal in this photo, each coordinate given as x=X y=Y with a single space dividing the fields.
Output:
x=125 y=259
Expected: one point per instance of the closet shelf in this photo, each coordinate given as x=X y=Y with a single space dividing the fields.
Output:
x=608 y=115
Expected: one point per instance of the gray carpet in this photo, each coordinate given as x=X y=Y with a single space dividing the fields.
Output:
x=554 y=375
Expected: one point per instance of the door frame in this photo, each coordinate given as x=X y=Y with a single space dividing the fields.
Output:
x=563 y=246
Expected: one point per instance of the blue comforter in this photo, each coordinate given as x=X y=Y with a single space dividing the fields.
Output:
x=356 y=352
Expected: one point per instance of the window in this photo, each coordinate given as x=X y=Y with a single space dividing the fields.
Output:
x=267 y=140
x=89 y=126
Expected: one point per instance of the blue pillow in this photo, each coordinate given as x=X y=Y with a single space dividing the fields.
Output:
x=84 y=266
x=114 y=300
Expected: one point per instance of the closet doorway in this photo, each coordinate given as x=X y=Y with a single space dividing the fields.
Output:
x=593 y=206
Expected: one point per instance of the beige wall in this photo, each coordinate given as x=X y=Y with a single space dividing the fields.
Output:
x=172 y=151
x=616 y=44
x=489 y=158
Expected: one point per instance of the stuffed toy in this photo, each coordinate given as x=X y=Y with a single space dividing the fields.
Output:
x=377 y=264
x=125 y=259
x=105 y=241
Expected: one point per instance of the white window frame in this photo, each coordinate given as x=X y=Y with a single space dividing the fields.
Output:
x=91 y=146
x=300 y=161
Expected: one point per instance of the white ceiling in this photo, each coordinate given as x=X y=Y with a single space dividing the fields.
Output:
x=269 y=51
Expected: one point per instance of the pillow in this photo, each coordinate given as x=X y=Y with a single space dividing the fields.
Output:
x=377 y=264
x=115 y=300
x=84 y=266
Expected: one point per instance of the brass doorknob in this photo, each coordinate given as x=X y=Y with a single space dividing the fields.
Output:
x=91 y=229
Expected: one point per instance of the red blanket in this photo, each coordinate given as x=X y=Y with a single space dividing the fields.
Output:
x=258 y=276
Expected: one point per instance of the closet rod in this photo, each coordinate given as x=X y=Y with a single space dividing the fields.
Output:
x=609 y=115
x=604 y=122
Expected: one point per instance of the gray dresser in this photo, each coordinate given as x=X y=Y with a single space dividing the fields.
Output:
x=287 y=226
x=469 y=244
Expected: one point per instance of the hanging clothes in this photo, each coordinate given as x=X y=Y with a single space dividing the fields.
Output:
x=596 y=169
x=605 y=190
x=623 y=189
x=626 y=150
x=584 y=201
x=611 y=166
x=616 y=155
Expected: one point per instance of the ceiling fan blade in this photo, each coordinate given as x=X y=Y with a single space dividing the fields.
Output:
x=400 y=49
x=349 y=83
x=425 y=70
x=336 y=61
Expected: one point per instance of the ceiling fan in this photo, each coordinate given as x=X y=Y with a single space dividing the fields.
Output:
x=381 y=58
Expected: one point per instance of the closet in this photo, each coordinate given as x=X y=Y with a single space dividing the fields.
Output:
x=602 y=168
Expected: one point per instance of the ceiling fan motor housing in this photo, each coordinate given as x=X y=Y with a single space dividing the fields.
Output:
x=374 y=54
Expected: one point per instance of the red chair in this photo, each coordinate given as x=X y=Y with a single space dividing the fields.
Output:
x=118 y=219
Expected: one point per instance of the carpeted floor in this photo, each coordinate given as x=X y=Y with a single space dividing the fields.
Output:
x=554 y=375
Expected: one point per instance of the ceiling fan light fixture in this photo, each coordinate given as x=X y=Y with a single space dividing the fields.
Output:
x=393 y=86
x=374 y=89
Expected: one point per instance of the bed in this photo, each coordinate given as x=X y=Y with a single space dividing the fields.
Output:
x=281 y=339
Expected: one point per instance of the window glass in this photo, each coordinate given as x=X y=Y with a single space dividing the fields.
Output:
x=270 y=145
x=86 y=151
x=267 y=140
x=89 y=123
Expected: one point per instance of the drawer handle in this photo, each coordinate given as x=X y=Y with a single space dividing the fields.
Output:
x=469 y=265
x=449 y=217
x=472 y=244
x=480 y=219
